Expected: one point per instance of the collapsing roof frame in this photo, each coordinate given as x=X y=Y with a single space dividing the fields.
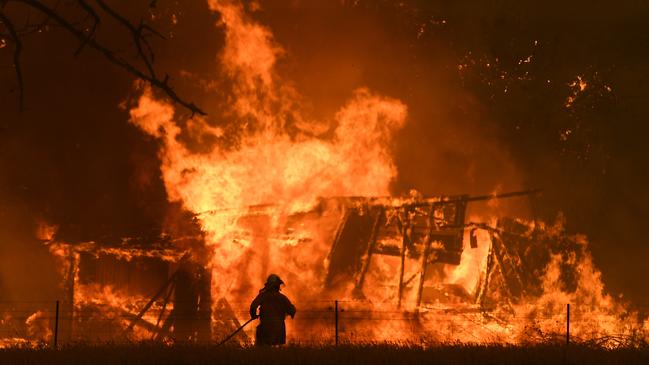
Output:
x=431 y=230
x=518 y=255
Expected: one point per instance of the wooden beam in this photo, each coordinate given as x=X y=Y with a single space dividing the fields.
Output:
x=164 y=307
x=424 y=259
x=156 y=295
x=358 y=288
x=404 y=233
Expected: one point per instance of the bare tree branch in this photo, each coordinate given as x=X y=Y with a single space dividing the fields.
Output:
x=95 y=23
x=18 y=47
x=138 y=34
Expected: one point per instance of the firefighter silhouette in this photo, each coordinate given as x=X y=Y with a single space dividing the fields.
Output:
x=273 y=308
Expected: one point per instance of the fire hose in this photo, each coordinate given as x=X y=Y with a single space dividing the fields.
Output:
x=235 y=332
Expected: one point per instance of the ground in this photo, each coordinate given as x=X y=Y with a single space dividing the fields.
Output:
x=357 y=355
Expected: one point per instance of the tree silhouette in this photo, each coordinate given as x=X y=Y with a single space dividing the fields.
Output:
x=82 y=22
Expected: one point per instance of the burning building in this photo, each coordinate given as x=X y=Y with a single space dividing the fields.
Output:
x=267 y=187
x=376 y=255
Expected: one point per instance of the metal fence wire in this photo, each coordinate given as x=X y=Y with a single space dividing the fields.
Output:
x=50 y=323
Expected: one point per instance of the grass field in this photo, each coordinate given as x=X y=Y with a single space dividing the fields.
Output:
x=356 y=355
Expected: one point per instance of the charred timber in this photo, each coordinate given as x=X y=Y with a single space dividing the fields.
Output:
x=389 y=201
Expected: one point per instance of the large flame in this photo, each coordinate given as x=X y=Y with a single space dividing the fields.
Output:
x=276 y=164
x=279 y=159
x=284 y=159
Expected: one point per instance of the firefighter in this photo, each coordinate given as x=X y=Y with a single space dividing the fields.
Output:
x=273 y=308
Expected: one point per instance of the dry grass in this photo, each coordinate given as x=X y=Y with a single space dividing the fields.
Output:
x=356 y=355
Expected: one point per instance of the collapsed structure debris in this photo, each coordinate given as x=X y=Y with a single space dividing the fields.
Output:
x=430 y=230
x=179 y=309
x=173 y=281
x=517 y=258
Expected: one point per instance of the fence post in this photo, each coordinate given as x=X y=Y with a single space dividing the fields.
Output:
x=336 y=318
x=568 y=324
x=56 y=326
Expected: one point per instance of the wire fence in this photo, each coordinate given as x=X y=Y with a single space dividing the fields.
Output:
x=44 y=323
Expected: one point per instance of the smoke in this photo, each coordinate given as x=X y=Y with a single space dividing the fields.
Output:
x=281 y=157
x=297 y=93
x=451 y=143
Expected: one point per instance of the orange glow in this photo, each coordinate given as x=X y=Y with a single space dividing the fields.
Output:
x=275 y=201
x=288 y=174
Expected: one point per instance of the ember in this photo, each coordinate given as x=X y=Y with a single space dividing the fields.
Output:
x=269 y=185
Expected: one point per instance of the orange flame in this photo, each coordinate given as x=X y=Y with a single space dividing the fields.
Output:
x=349 y=156
x=282 y=165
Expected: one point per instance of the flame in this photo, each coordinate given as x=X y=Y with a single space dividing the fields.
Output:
x=39 y=326
x=270 y=193
x=285 y=162
x=272 y=163
x=46 y=231
x=103 y=313
x=577 y=87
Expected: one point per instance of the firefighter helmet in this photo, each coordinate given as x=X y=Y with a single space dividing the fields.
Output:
x=274 y=279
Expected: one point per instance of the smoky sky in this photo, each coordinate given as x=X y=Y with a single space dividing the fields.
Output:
x=486 y=85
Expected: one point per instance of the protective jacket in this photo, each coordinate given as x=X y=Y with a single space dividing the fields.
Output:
x=273 y=308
